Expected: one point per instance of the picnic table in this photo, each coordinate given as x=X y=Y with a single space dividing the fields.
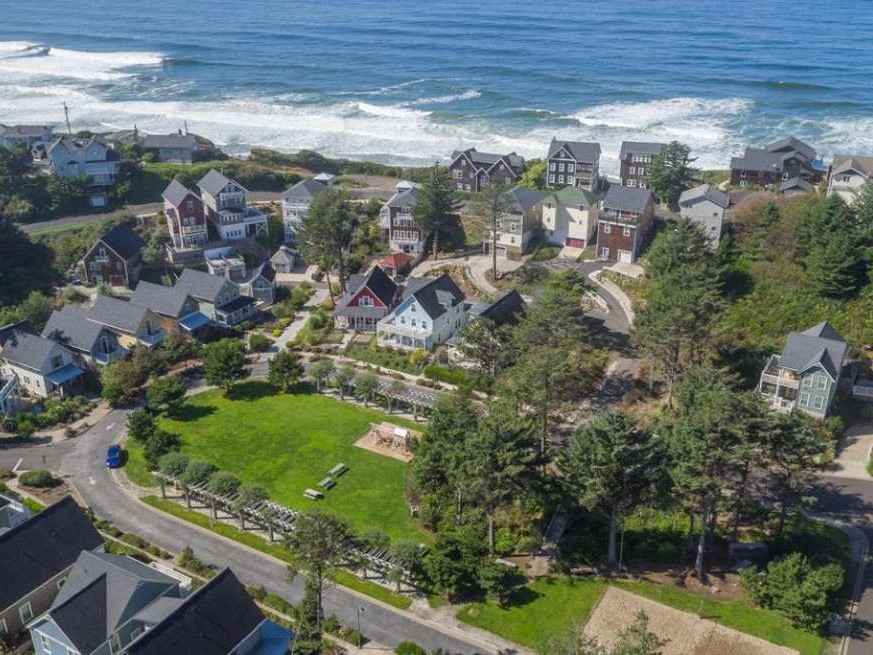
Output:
x=312 y=494
x=338 y=470
x=327 y=483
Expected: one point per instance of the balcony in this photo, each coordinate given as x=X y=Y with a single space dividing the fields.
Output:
x=153 y=337
x=8 y=388
x=107 y=357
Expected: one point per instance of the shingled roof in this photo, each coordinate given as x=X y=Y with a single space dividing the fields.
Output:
x=627 y=199
x=213 y=182
x=584 y=151
x=503 y=311
x=175 y=193
x=42 y=547
x=166 y=301
x=434 y=294
x=200 y=285
x=308 y=188
x=27 y=350
x=71 y=327
x=645 y=148
x=819 y=345
x=123 y=241
x=118 y=314
x=186 y=141
x=707 y=192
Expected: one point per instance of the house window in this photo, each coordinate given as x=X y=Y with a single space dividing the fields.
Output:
x=56 y=361
x=4 y=629
x=625 y=231
x=412 y=308
x=424 y=325
x=822 y=383
x=607 y=228
x=804 y=398
x=136 y=632
x=642 y=184
x=818 y=402
x=561 y=167
x=641 y=171
x=551 y=165
x=551 y=179
x=25 y=612
x=604 y=253
x=807 y=380
x=560 y=179
x=570 y=179
x=631 y=183
x=45 y=643
x=413 y=322
x=366 y=301
x=632 y=170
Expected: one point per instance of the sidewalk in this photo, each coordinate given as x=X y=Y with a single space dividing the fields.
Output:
x=59 y=434
x=854 y=453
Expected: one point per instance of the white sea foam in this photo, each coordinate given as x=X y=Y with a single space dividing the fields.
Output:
x=28 y=60
x=441 y=100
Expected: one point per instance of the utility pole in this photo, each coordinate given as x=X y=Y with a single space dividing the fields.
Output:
x=67 y=118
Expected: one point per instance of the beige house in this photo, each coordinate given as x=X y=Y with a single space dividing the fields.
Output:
x=569 y=217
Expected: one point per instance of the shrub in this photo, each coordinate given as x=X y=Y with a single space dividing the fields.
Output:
x=277 y=332
x=6 y=474
x=173 y=464
x=140 y=425
x=448 y=375
x=39 y=478
x=159 y=444
x=197 y=472
x=259 y=343
x=409 y=648
x=223 y=483
x=132 y=539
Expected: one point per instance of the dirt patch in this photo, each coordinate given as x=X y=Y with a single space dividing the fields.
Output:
x=389 y=440
x=460 y=276
x=687 y=633
x=722 y=585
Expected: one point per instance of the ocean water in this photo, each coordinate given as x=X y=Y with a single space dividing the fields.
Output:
x=408 y=81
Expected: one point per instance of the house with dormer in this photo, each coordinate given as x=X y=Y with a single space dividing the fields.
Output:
x=849 y=175
x=805 y=376
x=135 y=324
x=115 y=258
x=367 y=300
x=473 y=170
x=573 y=163
x=218 y=299
x=776 y=163
x=92 y=343
x=186 y=217
x=169 y=304
x=38 y=365
x=430 y=312
x=397 y=218
x=227 y=209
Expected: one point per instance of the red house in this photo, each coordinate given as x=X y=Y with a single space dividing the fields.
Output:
x=368 y=298
x=186 y=220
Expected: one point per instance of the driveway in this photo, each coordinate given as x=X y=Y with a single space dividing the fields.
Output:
x=854 y=453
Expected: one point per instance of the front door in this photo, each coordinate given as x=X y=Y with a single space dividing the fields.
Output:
x=625 y=257
x=604 y=254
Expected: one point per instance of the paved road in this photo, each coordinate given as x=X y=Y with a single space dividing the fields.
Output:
x=82 y=459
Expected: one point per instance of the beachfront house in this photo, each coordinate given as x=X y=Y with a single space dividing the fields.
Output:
x=397 y=218
x=776 y=163
x=573 y=163
x=186 y=217
x=226 y=208
x=806 y=375
x=569 y=217
x=520 y=222
x=849 y=175
x=624 y=223
x=26 y=135
x=705 y=205
x=368 y=299
x=473 y=170
x=91 y=158
x=635 y=158
x=174 y=148
x=295 y=204
x=431 y=311
x=115 y=258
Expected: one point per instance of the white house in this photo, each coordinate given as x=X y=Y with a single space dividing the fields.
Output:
x=29 y=135
x=41 y=366
x=849 y=175
x=296 y=201
x=430 y=313
x=86 y=158
x=705 y=206
x=570 y=217
x=225 y=203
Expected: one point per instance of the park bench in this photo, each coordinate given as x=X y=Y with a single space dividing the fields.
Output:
x=338 y=470
x=327 y=483
x=312 y=494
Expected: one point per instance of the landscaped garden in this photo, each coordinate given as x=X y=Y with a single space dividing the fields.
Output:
x=287 y=443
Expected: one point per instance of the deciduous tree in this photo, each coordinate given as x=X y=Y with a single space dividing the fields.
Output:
x=285 y=370
x=224 y=363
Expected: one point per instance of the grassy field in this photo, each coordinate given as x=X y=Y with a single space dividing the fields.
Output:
x=547 y=606
x=288 y=442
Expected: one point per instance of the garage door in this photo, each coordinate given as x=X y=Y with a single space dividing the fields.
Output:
x=575 y=243
x=625 y=257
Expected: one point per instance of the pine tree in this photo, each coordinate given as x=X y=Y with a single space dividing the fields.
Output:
x=489 y=206
x=670 y=173
x=435 y=206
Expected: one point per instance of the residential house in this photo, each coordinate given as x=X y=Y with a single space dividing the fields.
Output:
x=36 y=557
x=227 y=210
x=520 y=222
x=106 y=602
x=220 y=618
x=283 y=260
x=125 y=136
x=26 y=135
x=431 y=311
x=806 y=375
x=473 y=170
x=40 y=366
x=624 y=223
x=91 y=158
x=397 y=217
x=573 y=163
x=115 y=258
x=849 y=175
x=325 y=178
x=366 y=301
x=777 y=162
x=635 y=157
x=169 y=304
x=261 y=284
x=397 y=263
x=705 y=205
x=133 y=323
x=506 y=310
x=174 y=148
x=796 y=186
x=225 y=262
x=12 y=513
x=295 y=204
x=218 y=299
x=570 y=217
x=90 y=342
x=186 y=217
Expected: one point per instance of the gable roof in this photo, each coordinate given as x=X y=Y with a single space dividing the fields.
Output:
x=406 y=198
x=123 y=241
x=521 y=199
x=640 y=148
x=504 y=310
x=24 y=130
x=487 y=160
x=265 y=271
x=166 y=301
x=819 y=345
x=26 y=349
x=213 y=182
x=186 y=141
x=176 y=192
x=627 y=198
x=758 y=159
x=706 y=192
x=119 y=314
x=580 y=150
x=396 y=260
x=845 y=163
x=434 y=294
x=200 y=285
x=75 y=145
x=571 y=195
x=284 y=255
x=71 y=327
x=97 y=596
x=792 y=144
x=796 y=183
x=42 y=546
x=308 y=188
x=381 y=285
x=214 y=619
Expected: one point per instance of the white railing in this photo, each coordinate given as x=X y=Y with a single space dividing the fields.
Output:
x=8 y=387
x=862 y=391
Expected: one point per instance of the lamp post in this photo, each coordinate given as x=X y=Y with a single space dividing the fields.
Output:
x=359 y=612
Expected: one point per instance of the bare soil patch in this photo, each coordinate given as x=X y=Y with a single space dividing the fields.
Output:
x=389 y=440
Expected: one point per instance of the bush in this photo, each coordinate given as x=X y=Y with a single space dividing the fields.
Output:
x=258 y=343
x=277 y=332
x=197 y=472
x=140 y=425
x=39 y=478
x=223 y=483
x=6 y=474
x=132 y=539
x=409 y=648
x=448 y=375
x=159 y=444
x=173 y=464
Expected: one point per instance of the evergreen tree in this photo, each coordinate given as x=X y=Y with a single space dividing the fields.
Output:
x=489 y=206
x=307 y=628
x=670 y=173
x=833 y=243
x=636 y=639
x=224 y=363
x=677 y=246
x=326 y=232
x=435 y=207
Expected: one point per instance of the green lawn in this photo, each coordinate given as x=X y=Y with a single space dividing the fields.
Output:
x=135 y=465
x=288 y=442
x=547 y=606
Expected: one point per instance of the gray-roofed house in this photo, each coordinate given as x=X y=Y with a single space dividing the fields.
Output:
x=176 y=148
x=106 y=602
x=90 y=342
x=218 y=299
x=261 y=284
x=573 y=163
x=849 y=175
x=521 y=221
x=115 y=258
x=186 y=217
x=473 y=170
x=775 y=163
x=13 y=512
x=91 y=158
x=705 y=205
x=430 y=313
x=283 y=260
x=796 y=186
x=295 y=204
x=169 y=304
x=26 y=135
x=220 y=618
x=134 y=324
x=39 y=365
x=506 y=310
x=807 y=373
x=634 y=160
x=226 y=208
x=570 y=217
x=624 y=223
x=36 y=556
x=366 y=301
x=396 y=217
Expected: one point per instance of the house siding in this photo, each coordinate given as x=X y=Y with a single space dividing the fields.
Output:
x=186 y=223
x=707 y=214
x=40 y=600
x=104 y=265
x=564 y=170
x=619 y=232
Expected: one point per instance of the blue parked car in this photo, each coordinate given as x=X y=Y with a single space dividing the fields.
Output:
x=113 y=456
